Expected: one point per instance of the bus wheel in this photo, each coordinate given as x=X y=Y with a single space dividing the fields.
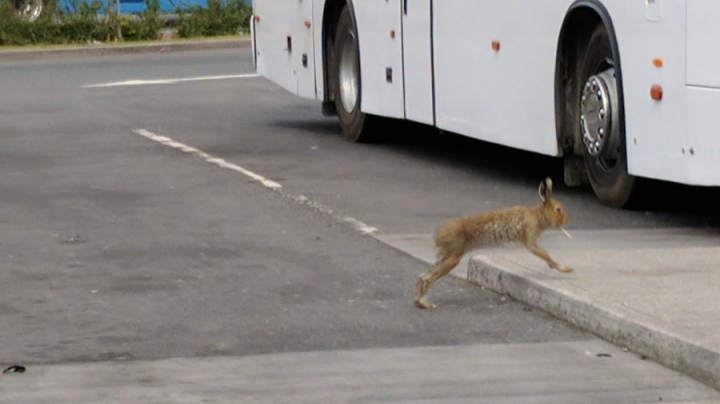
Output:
x=355 y=124
x=29 y=10
x=602 y=124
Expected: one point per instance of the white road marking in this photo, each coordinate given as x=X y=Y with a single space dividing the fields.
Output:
x=168 y=81
x=210 y=159
x=360 y=226
x=269 y=184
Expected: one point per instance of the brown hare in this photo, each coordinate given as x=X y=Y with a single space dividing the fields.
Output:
x=522 y=224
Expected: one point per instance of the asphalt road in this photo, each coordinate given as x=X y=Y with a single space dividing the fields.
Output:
x=115 y=247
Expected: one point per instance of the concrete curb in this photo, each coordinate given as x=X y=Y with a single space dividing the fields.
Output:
x=104 y=50
x=673 y=351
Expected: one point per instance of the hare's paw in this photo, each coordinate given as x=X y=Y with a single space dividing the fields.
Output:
x=424 y=304
x=564 y=269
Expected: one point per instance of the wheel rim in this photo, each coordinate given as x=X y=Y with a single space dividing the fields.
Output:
x=32 y=10
x=349 y=74
x=599 y=107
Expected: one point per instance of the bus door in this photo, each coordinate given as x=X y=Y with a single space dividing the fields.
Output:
x=417 y=60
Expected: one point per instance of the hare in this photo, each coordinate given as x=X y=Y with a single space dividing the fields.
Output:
x=522 y=224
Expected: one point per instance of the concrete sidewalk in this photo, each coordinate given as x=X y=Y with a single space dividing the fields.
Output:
x=589 y=372
x=654 y=292
x=54 y=52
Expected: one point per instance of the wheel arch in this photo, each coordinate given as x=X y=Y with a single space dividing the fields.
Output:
x=572 y=43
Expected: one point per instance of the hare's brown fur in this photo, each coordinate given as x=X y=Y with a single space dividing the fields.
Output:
x=522 y=224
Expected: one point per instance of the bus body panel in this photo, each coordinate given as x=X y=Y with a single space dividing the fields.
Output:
x=703 y=79
x=504 y=96
x=304 y=54
x=703 y=42
x=317 y=32
x=417 y=61
x=703 y=152
x=271 y=29
x=507 y=96
x=656 y=131
x=380 y=57
x=284 y=45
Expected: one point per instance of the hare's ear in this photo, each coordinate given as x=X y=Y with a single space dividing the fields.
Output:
x=545 y=190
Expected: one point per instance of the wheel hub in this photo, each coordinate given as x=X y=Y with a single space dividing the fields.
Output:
x=598 y=115
x=349 y=75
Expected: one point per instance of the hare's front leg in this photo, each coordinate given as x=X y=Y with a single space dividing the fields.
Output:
x=540 y=252
x=428 y=278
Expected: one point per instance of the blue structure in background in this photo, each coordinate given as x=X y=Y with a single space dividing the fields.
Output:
x=135 y=6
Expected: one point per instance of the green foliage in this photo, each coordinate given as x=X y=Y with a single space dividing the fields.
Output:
x=53 y=26
x=220 y=17
x=84 y=24
x=13 y=30
x=86 y=21
x=146 y=26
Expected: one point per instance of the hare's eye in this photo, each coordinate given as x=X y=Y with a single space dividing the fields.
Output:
x=557 y=209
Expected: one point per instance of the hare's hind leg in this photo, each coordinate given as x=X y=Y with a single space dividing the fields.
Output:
x=540 y=252
x=443 y=267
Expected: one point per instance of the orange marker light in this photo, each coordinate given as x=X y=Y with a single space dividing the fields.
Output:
x=307 y=23
x=656 y=92
x=256 y=18
x=658 y=62
x=496 y=45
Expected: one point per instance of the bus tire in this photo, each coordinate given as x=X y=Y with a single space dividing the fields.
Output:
x=602 y=124
x=346 y=82
x=29 y=10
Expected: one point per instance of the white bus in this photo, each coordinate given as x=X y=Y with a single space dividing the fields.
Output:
x=620 y=89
